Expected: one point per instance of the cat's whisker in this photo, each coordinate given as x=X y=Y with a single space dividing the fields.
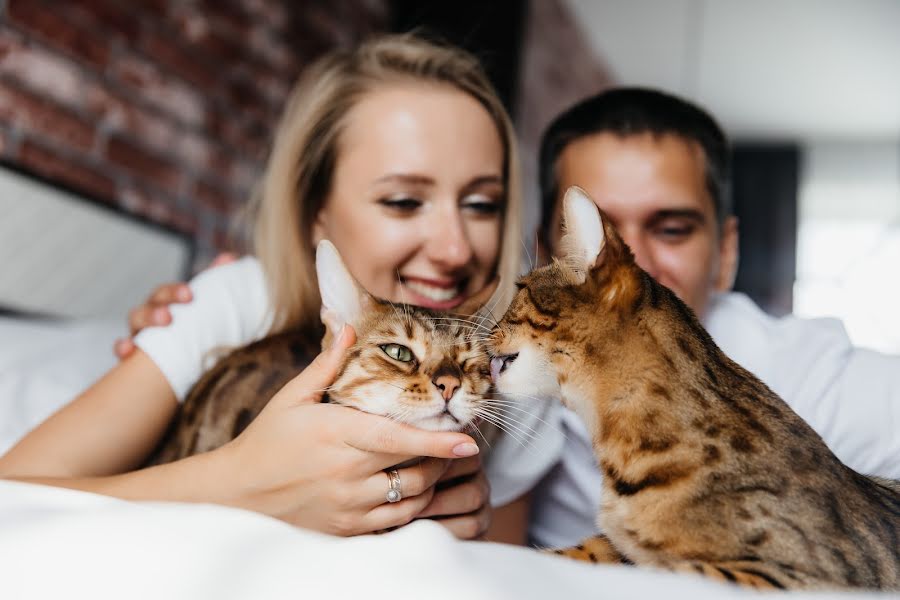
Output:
x=528 y=255
x=507 y=420
x=523 y=441
x=474 y=428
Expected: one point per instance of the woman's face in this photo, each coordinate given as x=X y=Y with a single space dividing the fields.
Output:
x=417 y=194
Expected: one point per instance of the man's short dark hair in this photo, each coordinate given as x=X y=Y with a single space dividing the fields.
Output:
x=633 y=111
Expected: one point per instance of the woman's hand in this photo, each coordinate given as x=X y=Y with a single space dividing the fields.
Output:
x=321 y=466
x=155 y=309
x=462 y=500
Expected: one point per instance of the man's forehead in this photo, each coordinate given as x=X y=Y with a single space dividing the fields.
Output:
x=639 y=176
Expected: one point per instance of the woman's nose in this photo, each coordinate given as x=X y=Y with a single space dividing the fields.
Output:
x=449 y=242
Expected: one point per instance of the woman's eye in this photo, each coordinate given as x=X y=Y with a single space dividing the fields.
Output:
x=402 y=204
x=482 y=205
x=397 y=352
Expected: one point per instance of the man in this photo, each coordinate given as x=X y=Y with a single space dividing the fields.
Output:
x=658 y=166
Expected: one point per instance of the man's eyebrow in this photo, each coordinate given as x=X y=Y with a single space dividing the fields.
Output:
x=691 y=214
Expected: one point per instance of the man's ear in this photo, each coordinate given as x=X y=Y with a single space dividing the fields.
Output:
x=584 y=237
x=729 y=255
x=343 y=299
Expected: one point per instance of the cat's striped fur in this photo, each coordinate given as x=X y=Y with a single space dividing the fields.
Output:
x=705 y=469
x=444 y=348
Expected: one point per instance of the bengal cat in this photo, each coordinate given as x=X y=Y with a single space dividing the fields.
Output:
x=705 y=469
x=413 y=365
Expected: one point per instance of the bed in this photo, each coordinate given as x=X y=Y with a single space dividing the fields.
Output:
x=57 y=543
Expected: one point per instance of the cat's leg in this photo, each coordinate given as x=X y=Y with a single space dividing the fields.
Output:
x=597 y=549
x=742 y=572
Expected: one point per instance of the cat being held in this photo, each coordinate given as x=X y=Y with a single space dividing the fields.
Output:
x=705 y=468
x=424 y=368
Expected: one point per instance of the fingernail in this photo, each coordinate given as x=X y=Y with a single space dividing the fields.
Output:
x=183 y=294
x=467 y=449
x=159 y=316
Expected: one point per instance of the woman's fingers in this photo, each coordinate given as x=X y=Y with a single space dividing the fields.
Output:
x=387 y=515
x=471 y=526
x=414 y=480
x=462 y=467
x=307 y=387
x=123 y=348
x=388 y=443
x=465 y=496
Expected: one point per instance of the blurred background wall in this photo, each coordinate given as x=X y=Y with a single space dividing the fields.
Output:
x=165 y=108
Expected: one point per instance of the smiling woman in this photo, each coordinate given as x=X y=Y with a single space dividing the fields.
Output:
x=399 y=153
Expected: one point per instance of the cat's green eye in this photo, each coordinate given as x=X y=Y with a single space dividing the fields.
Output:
x=397 y=352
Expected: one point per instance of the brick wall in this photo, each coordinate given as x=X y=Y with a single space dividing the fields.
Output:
x=162 y=107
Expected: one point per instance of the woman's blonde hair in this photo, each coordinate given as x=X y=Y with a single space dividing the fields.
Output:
x=298 y=175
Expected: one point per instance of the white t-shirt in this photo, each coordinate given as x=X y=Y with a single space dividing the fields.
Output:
x=850 y=396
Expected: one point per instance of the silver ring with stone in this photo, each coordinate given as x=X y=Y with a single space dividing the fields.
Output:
x=395 y=493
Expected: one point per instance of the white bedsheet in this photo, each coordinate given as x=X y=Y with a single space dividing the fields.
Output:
x=57 y=543
x=44 y=364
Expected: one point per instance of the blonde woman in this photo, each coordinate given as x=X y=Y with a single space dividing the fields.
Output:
x=401 y=154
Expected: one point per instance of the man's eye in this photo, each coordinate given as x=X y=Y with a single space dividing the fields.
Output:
x=402 y=204
x=675 y=233
x=397 y=352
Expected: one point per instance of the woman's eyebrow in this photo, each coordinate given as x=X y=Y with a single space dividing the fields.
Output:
x=410 y=178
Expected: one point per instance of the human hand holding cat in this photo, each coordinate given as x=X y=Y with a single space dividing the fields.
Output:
x=463 y=504
x=321 y=466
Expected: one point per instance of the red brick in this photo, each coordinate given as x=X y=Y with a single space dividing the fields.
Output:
x=44 y=118
x=37 y=18
x=213 y=197
x=145 y=165
x=178 y=60
x=172 y=97
x=106 y=16
x=68 y=170
x=42 y=71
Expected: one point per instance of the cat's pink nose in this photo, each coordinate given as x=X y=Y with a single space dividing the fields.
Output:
x=448 y=384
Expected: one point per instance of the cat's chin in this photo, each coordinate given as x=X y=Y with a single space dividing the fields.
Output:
x=442 y=422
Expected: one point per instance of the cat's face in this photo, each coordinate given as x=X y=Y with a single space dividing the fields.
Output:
x=415 y=366
x=421 y=367
x=569 y=314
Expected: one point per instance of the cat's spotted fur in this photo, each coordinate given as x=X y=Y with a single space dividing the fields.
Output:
x=443 y=386
x=705 y=469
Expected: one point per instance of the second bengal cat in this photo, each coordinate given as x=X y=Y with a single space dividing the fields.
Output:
x=705 y=468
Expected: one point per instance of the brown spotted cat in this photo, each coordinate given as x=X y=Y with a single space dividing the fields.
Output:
x=705 y=469
x=413 y=365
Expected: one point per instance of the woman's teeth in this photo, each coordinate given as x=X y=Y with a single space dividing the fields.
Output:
x=438 y=294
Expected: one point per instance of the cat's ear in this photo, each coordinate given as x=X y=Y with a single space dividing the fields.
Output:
x=584 y=237
x=343 y=300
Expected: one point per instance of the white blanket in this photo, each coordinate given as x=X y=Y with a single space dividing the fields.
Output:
x=57 y=543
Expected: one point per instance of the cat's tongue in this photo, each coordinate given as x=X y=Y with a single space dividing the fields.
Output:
x=496 y=366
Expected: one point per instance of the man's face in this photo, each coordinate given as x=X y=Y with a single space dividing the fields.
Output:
x=653 y=190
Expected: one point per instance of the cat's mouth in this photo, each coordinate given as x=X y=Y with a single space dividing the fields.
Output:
x=434 y=294
x=442 y=421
